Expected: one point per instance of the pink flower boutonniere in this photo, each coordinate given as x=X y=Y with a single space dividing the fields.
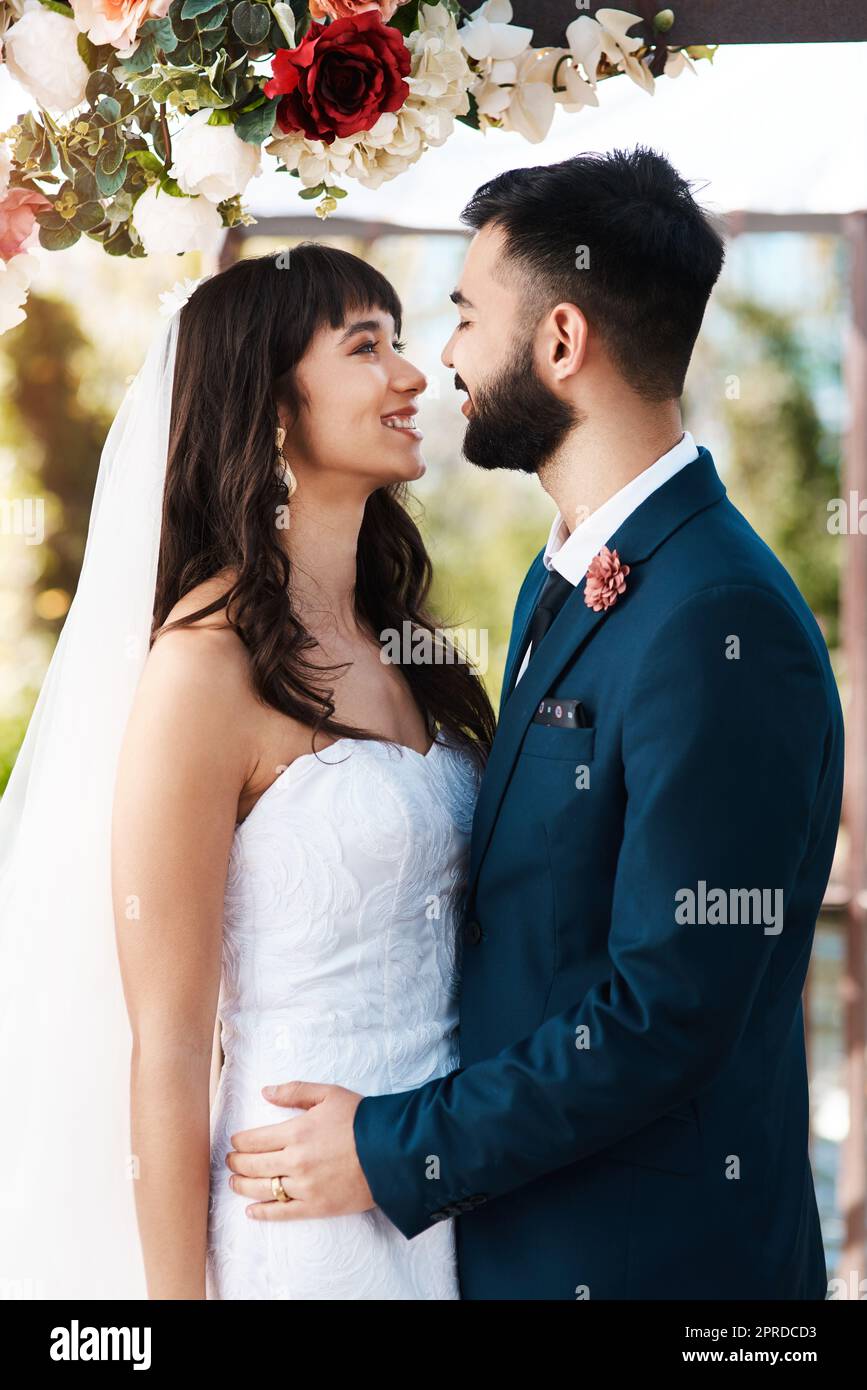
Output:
x=606 y=580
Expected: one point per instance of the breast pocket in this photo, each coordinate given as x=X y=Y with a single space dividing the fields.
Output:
x=549 y=741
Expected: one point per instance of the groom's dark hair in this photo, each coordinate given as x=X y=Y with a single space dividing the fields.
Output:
x=621 y=236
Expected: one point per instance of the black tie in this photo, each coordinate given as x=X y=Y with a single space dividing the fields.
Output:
x=554 y=593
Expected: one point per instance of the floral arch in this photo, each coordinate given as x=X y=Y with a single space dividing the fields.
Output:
x=152 y=115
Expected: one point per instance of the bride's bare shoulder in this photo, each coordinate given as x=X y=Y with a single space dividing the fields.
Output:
x=197 y=598
x=205 y=654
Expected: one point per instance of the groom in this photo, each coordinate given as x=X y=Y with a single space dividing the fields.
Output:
x=656 y=823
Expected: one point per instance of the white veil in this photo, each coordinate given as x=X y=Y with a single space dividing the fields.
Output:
x=67 y=1214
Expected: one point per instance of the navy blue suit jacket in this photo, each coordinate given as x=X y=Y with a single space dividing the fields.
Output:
x=630 y=1116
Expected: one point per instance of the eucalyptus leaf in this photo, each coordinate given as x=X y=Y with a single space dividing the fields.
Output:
x=60 y=239
x=146 y=160
x=251 y=22
x=144 y=57
x=191 y=8
x=118 y=243
x=88 y=216
x=100 y=84
x=109 y=181
x=162 y=32
x=255 y=126
x=285 y=18
x=50 y=219
x=109 y=109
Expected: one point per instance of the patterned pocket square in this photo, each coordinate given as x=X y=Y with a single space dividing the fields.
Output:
x=559 y=713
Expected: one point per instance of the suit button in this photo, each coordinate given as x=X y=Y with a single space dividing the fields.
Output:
x=474 y=932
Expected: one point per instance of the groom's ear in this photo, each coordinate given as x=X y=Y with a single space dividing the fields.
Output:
x=565 y=341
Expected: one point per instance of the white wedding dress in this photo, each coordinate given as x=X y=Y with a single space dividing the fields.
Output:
x=341 y=965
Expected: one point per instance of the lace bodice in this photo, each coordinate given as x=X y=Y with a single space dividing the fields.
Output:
x=340 y=964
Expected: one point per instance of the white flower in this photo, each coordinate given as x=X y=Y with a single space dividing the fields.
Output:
x=492 y=35
x=42 y=54
x=166 y=223
x=531 y=104
x=589 y=39
x=15 y=277
x=439 y=80
x=10 y=10
x=212 y=159
x=5 y=169
x=513 y=86
x=676 y=63
x=175 y=298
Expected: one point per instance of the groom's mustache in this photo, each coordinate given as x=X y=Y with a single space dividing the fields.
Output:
x=460 y=384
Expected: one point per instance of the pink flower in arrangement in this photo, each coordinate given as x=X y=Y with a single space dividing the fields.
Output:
x=606 y=580
x=345 y=9
x=18 y=211
x=116 y=21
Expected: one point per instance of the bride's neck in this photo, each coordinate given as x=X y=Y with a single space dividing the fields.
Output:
x=322 y=545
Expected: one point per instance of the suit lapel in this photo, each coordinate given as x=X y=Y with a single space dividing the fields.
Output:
x=519 y=636
x=690 y=491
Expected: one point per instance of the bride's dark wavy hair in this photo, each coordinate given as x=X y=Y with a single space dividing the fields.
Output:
x=241 y=336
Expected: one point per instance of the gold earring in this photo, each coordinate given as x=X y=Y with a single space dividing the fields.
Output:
x=288 y=476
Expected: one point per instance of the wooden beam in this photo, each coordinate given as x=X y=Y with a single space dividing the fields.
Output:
x=852 y=1185
x=710 y=21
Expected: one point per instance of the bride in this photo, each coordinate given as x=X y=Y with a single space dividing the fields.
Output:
x=226 y=789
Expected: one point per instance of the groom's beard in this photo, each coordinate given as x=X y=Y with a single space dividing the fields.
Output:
x=517 y=422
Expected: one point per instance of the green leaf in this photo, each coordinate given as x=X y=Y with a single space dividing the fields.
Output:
x=88 y=216
x=47 y=217
x=109 y=109
x=109 y=181
x=100 y=84
x=251 y=22
x=144 y=57
x=161 y=31
x=57 y=7
x=406 y=18
x=214 y=19
x=146 y=160
x=284 y=17
x=87 y=52
x=336 y=192
x=308 y=193
x=471 y=117
x=60 y=239
x=255 y=126
x=191 y=8
x=111 y=157
x=118 y=243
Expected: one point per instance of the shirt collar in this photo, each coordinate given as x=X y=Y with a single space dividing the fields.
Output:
x=571 y=553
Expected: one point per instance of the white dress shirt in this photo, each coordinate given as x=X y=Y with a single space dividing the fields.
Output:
x=571 y=552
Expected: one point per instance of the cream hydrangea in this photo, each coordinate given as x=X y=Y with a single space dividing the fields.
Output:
x=439 y=80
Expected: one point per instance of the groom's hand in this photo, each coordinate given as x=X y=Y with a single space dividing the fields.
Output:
x=313 y=1155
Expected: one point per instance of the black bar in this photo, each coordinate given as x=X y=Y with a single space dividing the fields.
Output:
x=712 y=21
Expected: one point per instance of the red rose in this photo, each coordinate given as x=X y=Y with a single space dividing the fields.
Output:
x=340 y=79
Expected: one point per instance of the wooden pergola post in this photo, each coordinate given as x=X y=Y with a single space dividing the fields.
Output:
x=853 y=1177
